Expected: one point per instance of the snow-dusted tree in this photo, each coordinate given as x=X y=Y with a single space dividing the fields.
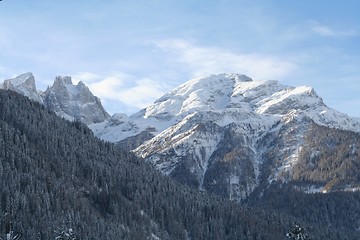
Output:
x=8 y=229
x=297 y=233
x=65 y=234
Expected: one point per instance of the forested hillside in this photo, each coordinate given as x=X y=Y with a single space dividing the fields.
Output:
x=56 y=176
x=330 y=157
x=338 y=211
x=324 y=185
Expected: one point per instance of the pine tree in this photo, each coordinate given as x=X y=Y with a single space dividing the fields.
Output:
x=8 y=229
x=297 y=233
x=65 y=234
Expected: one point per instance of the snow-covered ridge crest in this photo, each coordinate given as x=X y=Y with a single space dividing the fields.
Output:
x=213 y=133
x=225 y=93
x=209 y=93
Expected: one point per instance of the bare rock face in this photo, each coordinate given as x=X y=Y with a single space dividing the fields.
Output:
x=74 y=102
x=25 y=85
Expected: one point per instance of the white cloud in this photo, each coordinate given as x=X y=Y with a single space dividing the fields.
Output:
x=143 y=93
x=108 y=88
x=208 y=60
x=327 y=31
x=124 y=88
x=87 y=77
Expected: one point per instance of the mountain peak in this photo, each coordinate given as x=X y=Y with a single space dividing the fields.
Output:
x=23 y=84
x=74 y=101
x=220 y=130
x=25 y=78
x=64 y=84
x=237 y=77
x=199 y=94
x=63 y=80
x=231 y=97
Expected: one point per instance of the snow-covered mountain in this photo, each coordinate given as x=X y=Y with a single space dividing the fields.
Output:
x=73 y=102
x=225 y=133
x=217 y=133
x=225 y=95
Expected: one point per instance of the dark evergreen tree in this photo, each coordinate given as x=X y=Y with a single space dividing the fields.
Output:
x=9 y=229
x=297 y=233
x=65 y=234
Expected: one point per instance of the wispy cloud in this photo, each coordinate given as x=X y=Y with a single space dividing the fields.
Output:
x=327 y=31
x=208 y=60
x=86 y=77
x=124 y=88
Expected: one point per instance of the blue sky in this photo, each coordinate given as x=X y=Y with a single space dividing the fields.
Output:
x=130 y=52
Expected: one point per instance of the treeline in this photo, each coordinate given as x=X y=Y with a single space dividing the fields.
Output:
x=56 y=177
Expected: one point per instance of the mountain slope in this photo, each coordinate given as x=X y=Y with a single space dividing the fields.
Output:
x=225 y=134
x=239 y=147
x=220 y=133
x=58 y=173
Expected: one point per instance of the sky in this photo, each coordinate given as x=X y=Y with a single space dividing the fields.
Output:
x=131 y=52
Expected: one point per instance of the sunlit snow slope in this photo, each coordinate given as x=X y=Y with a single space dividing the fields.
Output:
x=212 y=133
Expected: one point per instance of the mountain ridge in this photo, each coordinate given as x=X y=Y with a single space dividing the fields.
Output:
x=247 y=95
x=194 y=123
x=269 y=159
x=59 y=173
x=212 y=133
x=72 y=102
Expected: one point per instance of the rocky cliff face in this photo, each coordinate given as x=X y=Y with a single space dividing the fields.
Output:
x=25 y=85
x=73 y=102
x=227 y=134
